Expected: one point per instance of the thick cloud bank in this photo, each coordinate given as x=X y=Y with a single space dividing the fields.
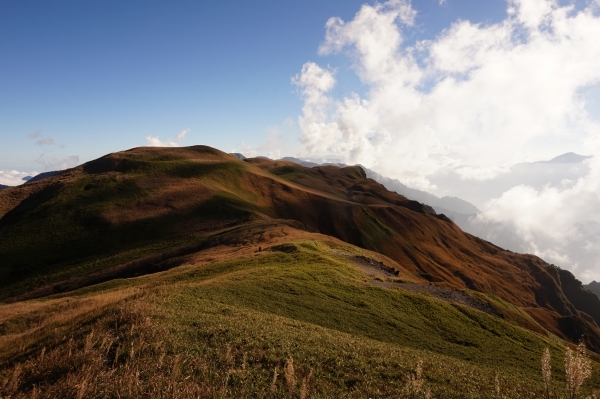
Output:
x=562 y=225
x=470 y=103
x=13 y=177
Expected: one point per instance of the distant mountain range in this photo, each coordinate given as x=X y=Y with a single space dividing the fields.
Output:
x=450 y=206
x=557 y=172
x=444 y=204
x=594 y=287
x=2 y=186
x=31 y=179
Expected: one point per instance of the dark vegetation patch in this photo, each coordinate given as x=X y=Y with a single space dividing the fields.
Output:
x=287 y=248
x=291 y=173
x=181 y=168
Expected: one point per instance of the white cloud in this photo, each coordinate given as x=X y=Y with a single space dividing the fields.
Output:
x=480 y=95
x=153 y=141
x=181 y=135
x=483 y=95
x=53 y=163
x=561 y=225
x=14 y=177
x=481 y=173
x=43 y=141
x=247 y=150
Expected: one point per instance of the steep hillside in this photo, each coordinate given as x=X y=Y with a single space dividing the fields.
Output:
x=258 y=278
x=151 y=209
x=452 y=204
x=132 y=211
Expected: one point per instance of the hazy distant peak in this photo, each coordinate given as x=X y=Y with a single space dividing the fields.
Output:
x=308 y=164
x=27 y=178
x=458 y=205
x=42 y=176
x=594 y=287
x=238 y=155
x=569 y=157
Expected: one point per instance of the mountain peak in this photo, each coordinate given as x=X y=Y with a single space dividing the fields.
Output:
x=569 y=157
x=594 y=286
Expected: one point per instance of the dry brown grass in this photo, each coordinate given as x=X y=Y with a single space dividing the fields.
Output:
x=546 y=371
x=35 y=315
x=112 y=348
x=112 y=355
x=118 y=349
x=578 y=368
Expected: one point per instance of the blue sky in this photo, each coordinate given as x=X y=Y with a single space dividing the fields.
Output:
x=98 y=77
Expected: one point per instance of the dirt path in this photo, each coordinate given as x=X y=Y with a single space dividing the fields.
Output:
x=382 y=276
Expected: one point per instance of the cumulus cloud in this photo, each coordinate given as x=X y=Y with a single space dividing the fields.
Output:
x=473 y=101
x=560 y=223
x=478 y=96
x=245 y=149
x=54 y=163
x=153 y=141
x=14 y=177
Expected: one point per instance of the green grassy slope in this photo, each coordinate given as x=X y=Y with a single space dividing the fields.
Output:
x=221 y=329
x=313 y=287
